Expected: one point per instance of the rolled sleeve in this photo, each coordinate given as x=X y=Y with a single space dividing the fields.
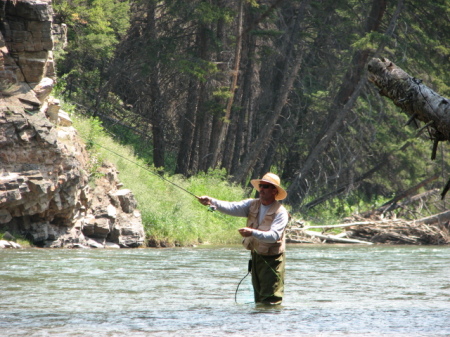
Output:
x=276 y=229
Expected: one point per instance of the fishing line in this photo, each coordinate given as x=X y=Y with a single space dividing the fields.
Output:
x=142 y=167
x=249 y=271
x=211 y=208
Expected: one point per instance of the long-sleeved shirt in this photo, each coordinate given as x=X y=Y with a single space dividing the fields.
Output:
x=241 y=209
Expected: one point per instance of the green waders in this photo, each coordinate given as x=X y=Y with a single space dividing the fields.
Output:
x=268 y=278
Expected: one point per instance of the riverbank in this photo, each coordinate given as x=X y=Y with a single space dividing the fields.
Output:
x=433 y=230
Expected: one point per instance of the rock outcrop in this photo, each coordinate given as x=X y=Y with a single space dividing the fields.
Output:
x=44 y=184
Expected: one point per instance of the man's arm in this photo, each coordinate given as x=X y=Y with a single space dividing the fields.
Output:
x=238 y=208
x=276 y=229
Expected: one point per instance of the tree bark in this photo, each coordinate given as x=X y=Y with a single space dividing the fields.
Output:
x=412 y=96
x=188 y=128
x=156 y=104
x=244 y=117
x=415 y=99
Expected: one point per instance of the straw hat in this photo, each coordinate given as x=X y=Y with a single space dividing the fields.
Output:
x=273 y=179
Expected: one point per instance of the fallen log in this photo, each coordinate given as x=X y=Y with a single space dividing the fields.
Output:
x=334 y=238
x=440 y=218
x=343 y=225
x=415 y=99
x=412 y=96
x=392 y=204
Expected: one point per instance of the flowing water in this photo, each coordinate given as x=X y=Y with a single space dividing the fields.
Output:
x=331 y=290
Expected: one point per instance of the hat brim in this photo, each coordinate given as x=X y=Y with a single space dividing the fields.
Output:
x=282 y=194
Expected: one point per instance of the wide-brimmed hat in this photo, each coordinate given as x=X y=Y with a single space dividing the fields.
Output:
x=273 y=179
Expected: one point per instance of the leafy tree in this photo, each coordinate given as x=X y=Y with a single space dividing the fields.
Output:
x=94 y=29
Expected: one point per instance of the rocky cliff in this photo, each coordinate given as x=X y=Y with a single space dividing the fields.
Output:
x=45 y=193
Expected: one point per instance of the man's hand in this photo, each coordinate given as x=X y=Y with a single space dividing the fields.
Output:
x=246 y=231
x=204 y=200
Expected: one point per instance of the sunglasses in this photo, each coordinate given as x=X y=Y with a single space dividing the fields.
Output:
x=265 y=185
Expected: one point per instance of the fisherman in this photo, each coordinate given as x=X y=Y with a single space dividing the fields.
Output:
x=263 y=235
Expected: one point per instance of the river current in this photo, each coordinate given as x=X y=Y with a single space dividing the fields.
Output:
x=331 y=290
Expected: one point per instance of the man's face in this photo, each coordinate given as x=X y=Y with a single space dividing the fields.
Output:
x=267 y=193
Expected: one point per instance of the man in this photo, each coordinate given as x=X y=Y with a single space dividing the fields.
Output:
x=263 y=235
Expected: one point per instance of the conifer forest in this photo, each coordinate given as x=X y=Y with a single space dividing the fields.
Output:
x=252 y=86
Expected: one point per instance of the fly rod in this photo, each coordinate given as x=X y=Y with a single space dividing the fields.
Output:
x=145 y=168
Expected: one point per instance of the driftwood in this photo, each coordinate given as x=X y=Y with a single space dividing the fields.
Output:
x=404 y=233
x=334 y=238
x=441 y=219
x=433 y=230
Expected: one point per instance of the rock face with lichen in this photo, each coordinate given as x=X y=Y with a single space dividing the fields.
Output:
x=45 y=193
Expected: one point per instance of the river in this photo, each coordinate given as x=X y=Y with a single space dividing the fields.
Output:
x=331 y=290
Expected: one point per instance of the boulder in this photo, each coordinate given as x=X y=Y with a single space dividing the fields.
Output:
x=9 y=244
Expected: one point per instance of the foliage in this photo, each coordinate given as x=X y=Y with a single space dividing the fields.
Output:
x=91 y=130
x=168 y=212
x=22 y=241
x=94 y=29
x=167 y=99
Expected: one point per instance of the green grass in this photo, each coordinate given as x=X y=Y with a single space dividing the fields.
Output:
x=18 y=239
x=168 y=212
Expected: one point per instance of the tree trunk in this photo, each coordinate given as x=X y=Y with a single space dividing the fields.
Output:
x=415 y=98
x=235 y=72
x=244 y=117
x=291 y=66
x=440 y=218
x=157 y=109
x=188 y=128
x=393 y=202
x=383 y=161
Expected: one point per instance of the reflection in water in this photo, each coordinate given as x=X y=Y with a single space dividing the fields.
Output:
x=330 y=290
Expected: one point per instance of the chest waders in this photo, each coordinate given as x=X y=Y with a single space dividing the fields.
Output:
x=268 y=277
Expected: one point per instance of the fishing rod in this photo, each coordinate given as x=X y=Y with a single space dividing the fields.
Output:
x=144 y=168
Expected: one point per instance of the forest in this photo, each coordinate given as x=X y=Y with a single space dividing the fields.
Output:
x=251 y=86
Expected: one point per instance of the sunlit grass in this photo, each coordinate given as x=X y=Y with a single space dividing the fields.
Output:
x=168 y=212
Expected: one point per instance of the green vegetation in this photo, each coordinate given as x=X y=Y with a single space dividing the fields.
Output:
x=18 y=239
x=168 y=213
x=157 y=76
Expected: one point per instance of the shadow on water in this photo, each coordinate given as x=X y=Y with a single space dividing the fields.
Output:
x=331 y=290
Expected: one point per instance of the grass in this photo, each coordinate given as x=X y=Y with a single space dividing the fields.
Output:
x=168 y=212
x=23 y=242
